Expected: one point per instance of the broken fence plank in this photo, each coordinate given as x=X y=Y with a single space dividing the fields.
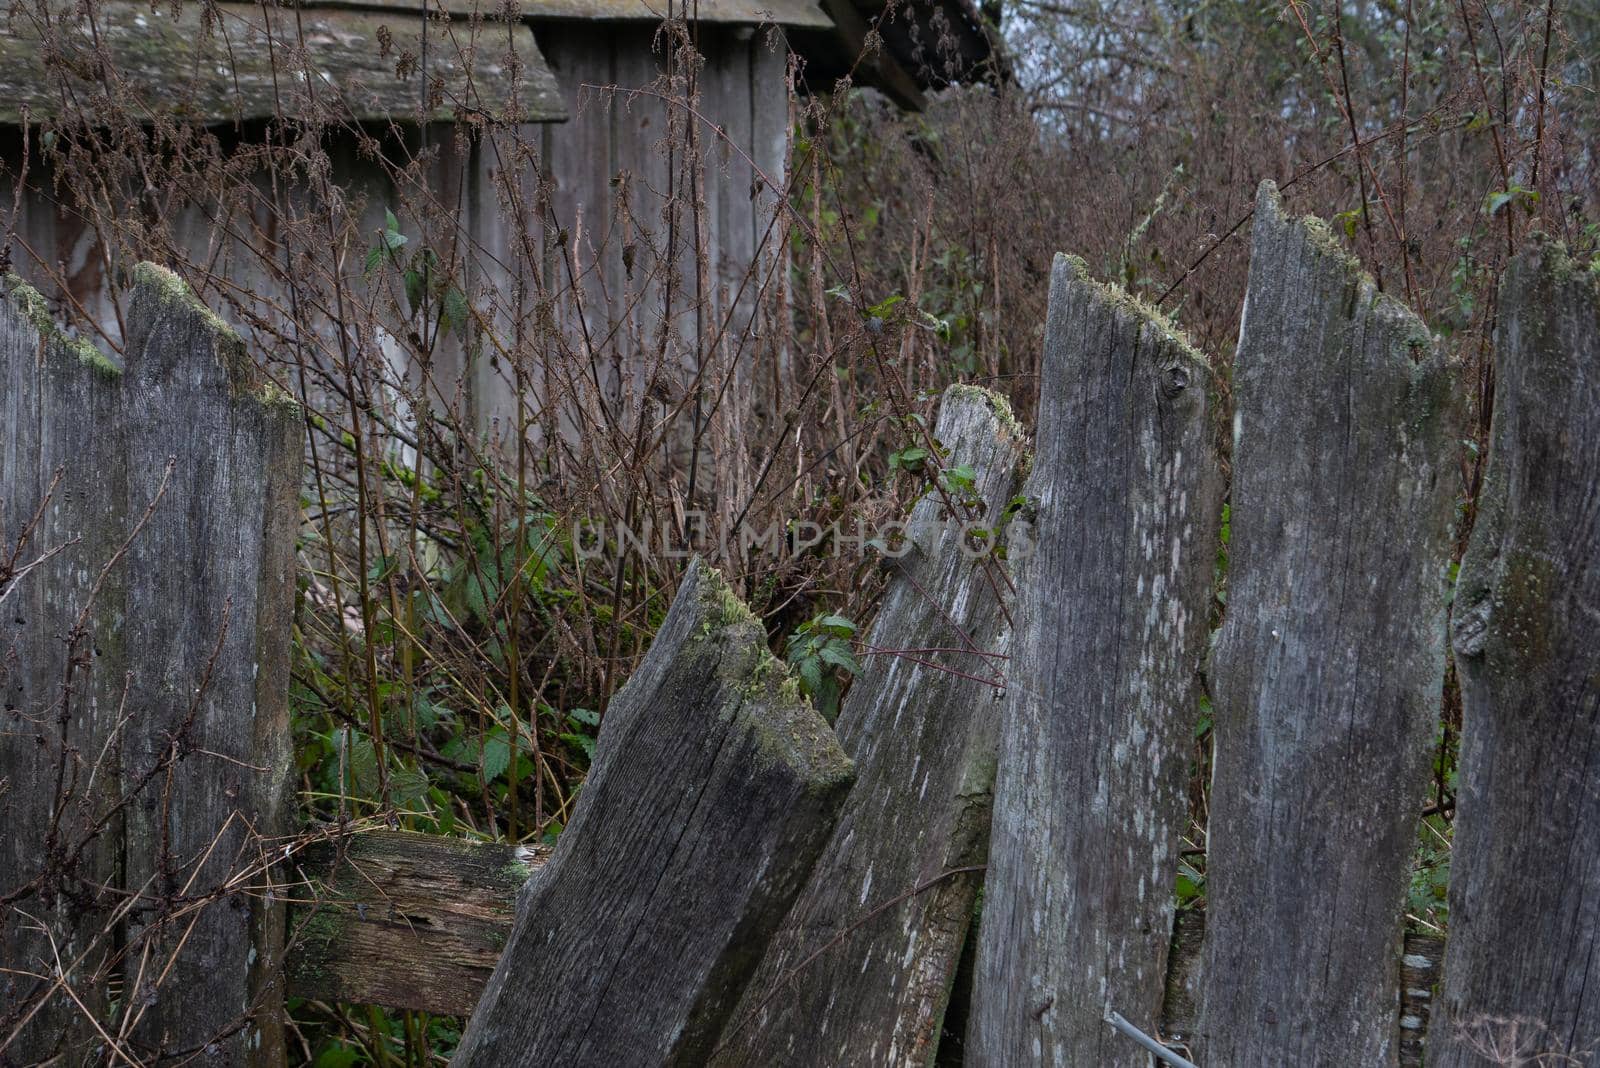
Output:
x=1327 y=672
x=1102 y=694
x=404 y=920
x=863 y=967
x=1525 y=869
x=714 y=789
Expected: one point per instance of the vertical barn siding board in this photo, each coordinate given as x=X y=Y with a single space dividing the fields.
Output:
x=660 y=212
x=581 y=162
x=1327 y=672
x=506 y=290
x=210 y=594
x=923 y=740
x=1101 y=696
x=769 y=134
x=714 y=788
x=728 y=179
x=56 y=409
x=1525 y=873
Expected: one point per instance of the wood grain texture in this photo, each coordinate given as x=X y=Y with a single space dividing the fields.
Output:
x=853 y=977
x=404 y=920
x=1102 y=695
x=1420 y=961
x=714 y=789
x=254 y=62
x=59 y=697
x=1327 y=672
x=1525 y=872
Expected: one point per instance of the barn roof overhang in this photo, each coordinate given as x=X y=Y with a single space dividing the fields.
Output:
x=230 y=62
x=364 y=60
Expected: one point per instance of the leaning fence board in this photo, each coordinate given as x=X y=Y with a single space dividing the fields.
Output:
x=1327 y=673
x=1525 y=870
x=180 y=481
x=1101 y=697
x=714 y=789
x=863 y=966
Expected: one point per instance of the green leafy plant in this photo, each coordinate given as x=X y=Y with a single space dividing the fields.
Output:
x=819 y=654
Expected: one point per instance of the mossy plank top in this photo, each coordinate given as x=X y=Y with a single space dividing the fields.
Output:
x=234 y=62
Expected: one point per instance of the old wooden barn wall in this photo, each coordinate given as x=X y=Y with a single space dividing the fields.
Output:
x=616 y=142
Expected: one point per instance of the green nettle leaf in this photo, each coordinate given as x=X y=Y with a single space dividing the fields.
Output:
x=837 y=623
x=810 y=674
x=581 y=742
x=837 y=654
x=456 y=312
x=413 y=283
x=496 y=756
x=363 y=765
x=409 y=784
x=882 y=308
x=587 y=717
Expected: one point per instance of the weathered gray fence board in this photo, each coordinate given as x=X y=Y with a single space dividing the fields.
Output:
x=207 y=624
x=837 y=987
x=714 y=789
x=1525 y=872
x=1327 y=673
x=180 y=482
x=1111 y=622
x=59 y=687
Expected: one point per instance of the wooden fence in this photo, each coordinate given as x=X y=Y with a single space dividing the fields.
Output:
x=975 y=863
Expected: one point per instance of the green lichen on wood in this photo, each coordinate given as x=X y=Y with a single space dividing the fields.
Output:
x=788 y=731
x=30 y=303
x=724 y=608
x=1136 y=308
x=998 y=403
x=173 y=293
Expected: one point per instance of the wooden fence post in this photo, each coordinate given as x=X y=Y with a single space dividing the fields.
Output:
x=1326 y=676
x=1525 y=870
x=1111 y=621
x=862 y=969
x=714 y=788
x=61 y=667
x=174 y=752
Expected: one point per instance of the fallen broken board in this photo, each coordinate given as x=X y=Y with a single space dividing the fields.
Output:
x=404 y=920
